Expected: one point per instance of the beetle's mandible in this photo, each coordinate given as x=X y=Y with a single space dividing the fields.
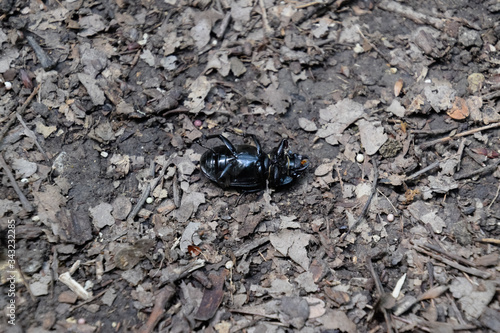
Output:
x=248 y=168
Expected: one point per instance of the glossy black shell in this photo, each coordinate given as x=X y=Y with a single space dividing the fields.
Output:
x=247 y=170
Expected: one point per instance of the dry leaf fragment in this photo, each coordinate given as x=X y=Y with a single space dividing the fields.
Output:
x=101 y=215
x=459 y=110
x=490 y=153
x=433 y=293
x=372 y=135
x=416 y=104
x=194 y=250
x=397 y=87
x=24 y=168
x=307 y=125
x=316 y=307
x=198 y=91
x=26 y=79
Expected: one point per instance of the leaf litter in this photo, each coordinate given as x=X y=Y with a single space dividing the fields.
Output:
x=115 y=100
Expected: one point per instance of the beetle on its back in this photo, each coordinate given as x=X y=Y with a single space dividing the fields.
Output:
x=248 y=168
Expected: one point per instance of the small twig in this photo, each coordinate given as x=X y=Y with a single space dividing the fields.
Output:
x=340 y=178
x=265 y=22
x=424 y=170
x=456 y=311
x=178 y=110
x=435 y=131
x=20 y=111
x=151 y=185
x=161 y=300
x=247 y=247
x=448 y=254
x=380 y=291
x=168 y=292
x=472 y=271
x=174 y=274
x=26 y=204
x=386 y=198
x=478 y=171
x=367 y=204
x=88 y=300
x=254 y=312
x=322 y=7
x=476 y=158
x=490 y=240
x=32 y=135
x=495 y=198
x=448 y=138
x=410 y=13
x=314 y=3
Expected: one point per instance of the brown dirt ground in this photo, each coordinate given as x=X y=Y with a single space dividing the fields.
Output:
x=129 y=87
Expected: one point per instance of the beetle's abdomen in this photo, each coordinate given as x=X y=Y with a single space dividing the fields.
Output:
x=245 y=171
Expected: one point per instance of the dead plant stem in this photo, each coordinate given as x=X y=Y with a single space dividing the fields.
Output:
x=26 y=204
x=20 y=111
x=448 y=138
x=495 y=198
x=367 y=204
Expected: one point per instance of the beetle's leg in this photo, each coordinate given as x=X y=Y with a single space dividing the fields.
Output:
x=226 y=142
x=198 y=141
x=243 y=134
x=281 y=148
x=275 y=176
x=257 y=144
x=224 y=178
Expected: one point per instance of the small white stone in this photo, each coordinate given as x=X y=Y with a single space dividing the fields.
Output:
x=8 y=85
x=390 y=217
x=229 y=264
x=214 y=42
x=149 y=200
x=104 y=154
x=24 y=180
x=360 y=158
x=35 y=218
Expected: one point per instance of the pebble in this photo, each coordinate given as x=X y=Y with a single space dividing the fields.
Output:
x=360 y=158
x=390 y=217
x=8 y=85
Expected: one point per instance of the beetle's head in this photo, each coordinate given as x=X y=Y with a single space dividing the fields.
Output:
x=297 y=164
x=287 y=166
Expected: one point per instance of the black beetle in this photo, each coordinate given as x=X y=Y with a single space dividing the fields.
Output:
x=248 y=168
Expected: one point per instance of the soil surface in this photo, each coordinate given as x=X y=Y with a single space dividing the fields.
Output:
x=109 y=225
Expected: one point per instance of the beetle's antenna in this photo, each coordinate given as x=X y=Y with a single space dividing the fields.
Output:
x=198 y=141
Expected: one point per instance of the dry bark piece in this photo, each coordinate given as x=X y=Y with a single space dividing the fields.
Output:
x=46 y=61
x=212 y=297
x=95 y=92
